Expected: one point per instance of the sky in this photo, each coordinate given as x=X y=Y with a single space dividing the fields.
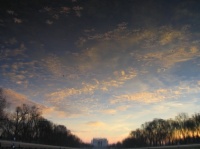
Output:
x=101 y=67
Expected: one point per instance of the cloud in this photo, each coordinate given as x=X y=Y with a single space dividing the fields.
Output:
x=54 y=112
x=95 y=124
x=118 y=33
x=78 y=10
x=63 y=11
x=144 y=97
x=120 y=77
x=49 y=22
x=183 y=12
x=84 y=99
x=161 y=47
x=109 y=111
x=115 y=110
x=16 y=67
x=169 y=58
x=146 y=37
x=21 y=72
x=10 y=12
x=88 y=89
x=16 y=99
x=54 y=65
x=62 y=66
x=17 y=20
x=86 y=95
x=168 y=35
x=159 y=95
x=123 y=108
x=65 y=93
x=126 y=74
x=6 y=54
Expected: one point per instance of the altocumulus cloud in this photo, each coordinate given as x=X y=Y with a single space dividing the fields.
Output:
x=159 y=95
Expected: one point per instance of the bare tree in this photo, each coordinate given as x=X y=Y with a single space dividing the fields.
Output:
x=25 y=121
x=181 y=120
x=2 y=112
x=171 y=128
x=2 y=103
x=196 y=118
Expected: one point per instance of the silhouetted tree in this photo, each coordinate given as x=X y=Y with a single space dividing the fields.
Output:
x=182 y=129
x=26 y=124
x=7 y=129
x=196 y=119
x=130 y=142
x=23 y=121
x=61 y=133
x=138 y=136
x=190 y=130
x=45 y=131
x=2 y=104
x=170 y=128
x=3 y=117
x=181 y=120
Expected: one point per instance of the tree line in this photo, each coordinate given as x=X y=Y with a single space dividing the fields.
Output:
x=26 y=124
x=183 y=129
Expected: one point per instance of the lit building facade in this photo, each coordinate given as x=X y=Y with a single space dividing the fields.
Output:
x=99 y=142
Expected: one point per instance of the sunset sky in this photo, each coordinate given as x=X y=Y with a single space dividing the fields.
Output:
x=101 y=67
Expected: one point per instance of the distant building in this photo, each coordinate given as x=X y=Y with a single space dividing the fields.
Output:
x=99 y=142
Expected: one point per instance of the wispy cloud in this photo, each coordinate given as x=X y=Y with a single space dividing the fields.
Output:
x=109 y=111
x=158 y=95
x=144 y=97
x=148 y=37
x=95 y=124
x=15 y=99
x=167 y=59
x=119 y=33
x=52 y=112
x=168 y=35
x=116 y=110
